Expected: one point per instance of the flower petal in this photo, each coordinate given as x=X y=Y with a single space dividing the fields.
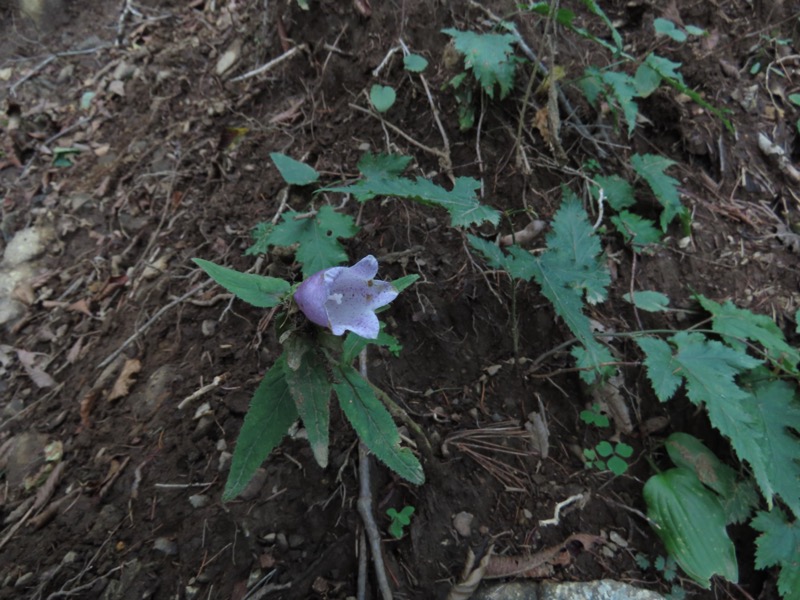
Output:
x=350 y=317
x=380 y=294
x=311 y=296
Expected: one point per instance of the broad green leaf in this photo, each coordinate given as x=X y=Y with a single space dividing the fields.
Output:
x=617 y=191
x=794 y=99
x=271 y=413
x=382 y=97
x=415 y=63
x=766 y=440
x=688 y=452
x=638 y=232
x=260 y=291
x=382 y=178
x=623 y=89
x=311 y=392
x=695 y=30
x=779 y=545
x=648 y=301
x=661 y=369
x=668 y=28
x=490 y=56
x=651 y=167
x=691 y=523
x=374 y=424
x=353 y=344
x=293 y=171
x=646 y=80
x=740 y=324
x=617 y=465
x=317 y=237
x=592 y=86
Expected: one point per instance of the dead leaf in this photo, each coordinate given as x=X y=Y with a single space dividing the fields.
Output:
x=610 y=399
x=288 y=115
x=541 y=564
x=75 y=352
x=37 y=375
x=87 y=406
x=122 y=385
x=541 y=122
x=81 y=306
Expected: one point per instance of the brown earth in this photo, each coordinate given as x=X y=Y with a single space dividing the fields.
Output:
x=135 y=509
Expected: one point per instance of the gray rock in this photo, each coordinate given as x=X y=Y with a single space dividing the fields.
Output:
x=604 y=589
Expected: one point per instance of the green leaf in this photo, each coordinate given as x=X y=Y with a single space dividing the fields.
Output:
x=617 y=465
x=354 y=344
x=592 y=86
x=623 y=88
x=651 y=167
x=779 y=545
x=404 y=282
x=382 y=178
x=737 y=324
x=695 y=31
x=382 y=97
x=668 y=28
x=374 y=424
x=624 y=450
x=661 y=369
x=604 y=449
x=691 y=523
x=765 y=437
x=648 y=301
x=293 y=171
x=260 y=291
x=618 y=192
x=415 y=63
x=490 y=56
x=638 y=232
x=271 y=413
x=646 y=80
x=794 y=99
x=317 y=237
x=311 y=392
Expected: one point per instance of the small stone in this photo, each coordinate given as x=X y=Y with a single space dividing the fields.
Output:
x=165 y=545
x=224 y=461
x=254 y=487
x=69 y=558
x=190 y=592
x=222 y=445
x=208 y=327
x=24 y=580
x=296 y=540
x=282 y=542
x=199 y=500
x=462 y=523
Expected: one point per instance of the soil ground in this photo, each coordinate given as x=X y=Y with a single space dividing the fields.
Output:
x=173 y=164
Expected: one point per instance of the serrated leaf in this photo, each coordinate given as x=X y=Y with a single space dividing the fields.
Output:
x=374 y=425
x=591 y=84
x=269 y=417
x=646 y=80
x=618 y=192
x=766 y=441
x=293 y=171
x=354 y=344
x=651 y=167
x=648 y=301
x=737 y=324
x=661 y=370
x=668 y=28
x=382 y=178
x=623 y=89
x=779 y=545
x=260 y=291
x=317 y=237
x=415 y=63
x=311 y=392
x=691 y=523
x=382 y=97
x=639 y=232
x=490 y=56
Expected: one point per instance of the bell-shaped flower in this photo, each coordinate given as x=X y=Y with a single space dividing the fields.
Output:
x=345 y=298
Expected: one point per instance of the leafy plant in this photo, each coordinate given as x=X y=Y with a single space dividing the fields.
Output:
x=674 y=32
x=400 y=520
x=569 y=273
x=593 y=416
x=415 y=63
x=607 y=456
x=382 y=176
x=293 y=171
x=490 y=58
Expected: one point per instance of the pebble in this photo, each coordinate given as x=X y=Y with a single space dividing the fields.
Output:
x=208 y=327
x=462 y=523
x=165 y=545
x=24 y=580
x=199 y=500
x=296 y=540
x=603 y=589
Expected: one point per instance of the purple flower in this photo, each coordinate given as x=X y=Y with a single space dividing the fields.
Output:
x=345 y=298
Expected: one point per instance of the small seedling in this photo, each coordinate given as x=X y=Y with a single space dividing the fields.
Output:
x=605 y=456
x=382 y=97
x=399 y=520
x=593 y=416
